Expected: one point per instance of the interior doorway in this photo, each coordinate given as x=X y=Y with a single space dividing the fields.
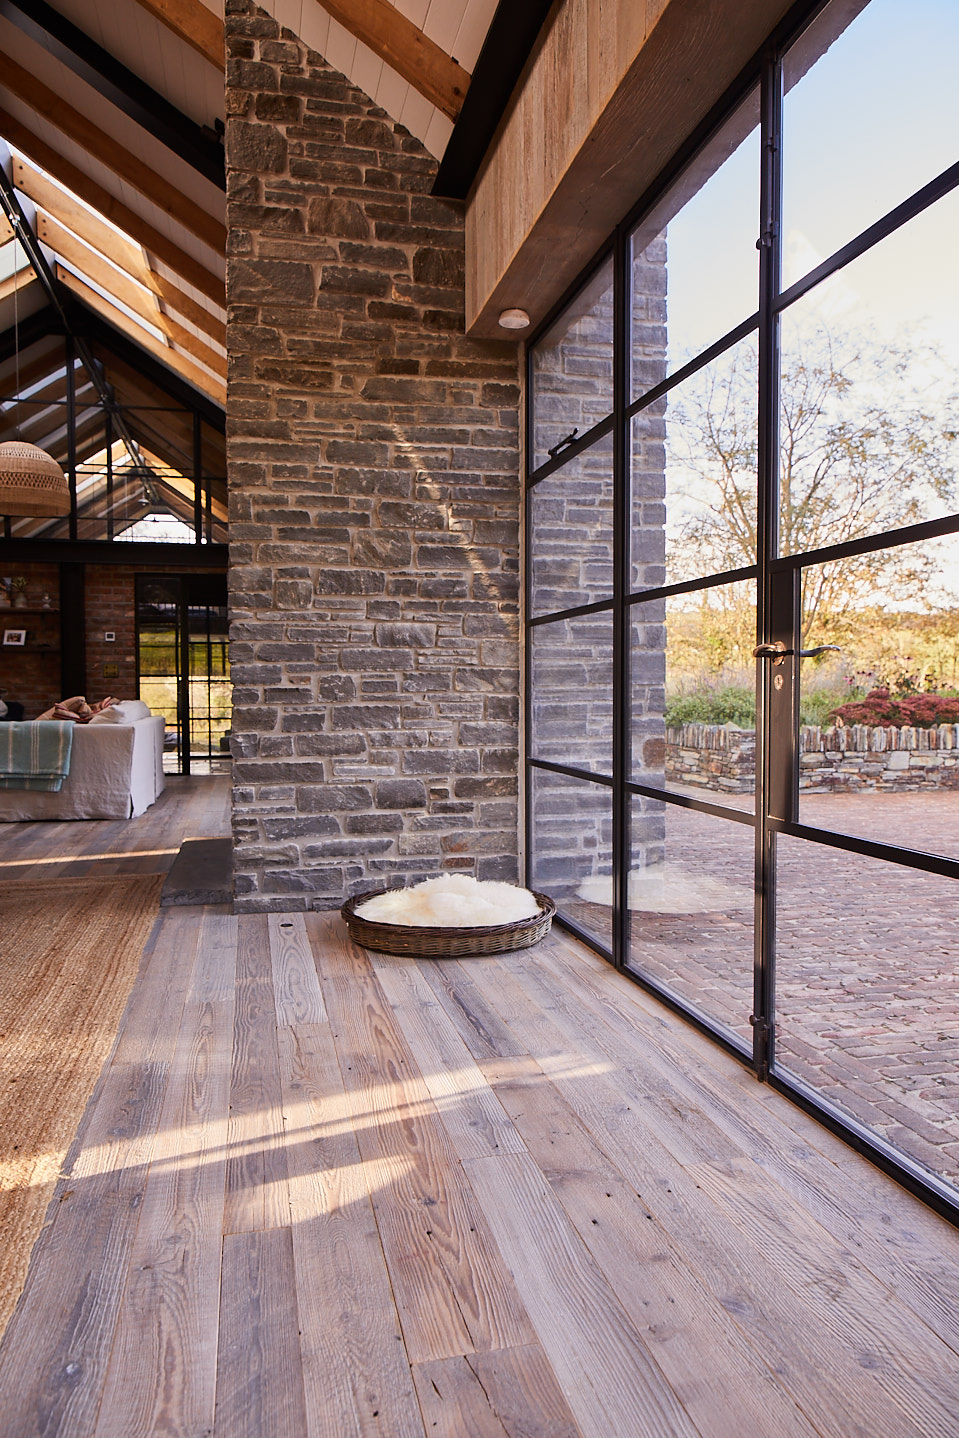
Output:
x=182 y=667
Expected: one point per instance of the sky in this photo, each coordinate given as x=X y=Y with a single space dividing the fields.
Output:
x=874 y=118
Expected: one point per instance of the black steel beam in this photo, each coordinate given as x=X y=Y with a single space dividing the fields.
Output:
x=73 y=634
x=509 y=40
x=106 y=551
x=196 y=145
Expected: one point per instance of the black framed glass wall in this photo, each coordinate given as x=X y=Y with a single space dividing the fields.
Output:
x=742 y=433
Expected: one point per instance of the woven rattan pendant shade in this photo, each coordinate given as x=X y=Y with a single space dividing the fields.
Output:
x=31 y=482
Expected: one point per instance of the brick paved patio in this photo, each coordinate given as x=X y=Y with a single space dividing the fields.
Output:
x=868 y=979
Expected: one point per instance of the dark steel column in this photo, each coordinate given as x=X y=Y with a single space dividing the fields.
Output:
x=622 y=291
x=71 y=355
x=769 y=244
x=109 y=433
x=197 y=478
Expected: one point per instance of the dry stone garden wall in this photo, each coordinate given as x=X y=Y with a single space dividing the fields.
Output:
x=850 y=759
x=374 y=501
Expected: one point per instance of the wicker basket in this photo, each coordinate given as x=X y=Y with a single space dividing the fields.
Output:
x=447 y=943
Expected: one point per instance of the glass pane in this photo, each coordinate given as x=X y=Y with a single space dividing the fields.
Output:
x=866 y=1007
x=694 y=258
x=869 y=423
x=693 y=692
x=572 y=688
x=870 y=115
x=698 y=446
x=572 y=850
x=572 y=367
x=691 y=909
x=879 y=735
x=571 y=527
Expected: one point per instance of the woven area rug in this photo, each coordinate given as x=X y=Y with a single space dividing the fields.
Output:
x=69 y=952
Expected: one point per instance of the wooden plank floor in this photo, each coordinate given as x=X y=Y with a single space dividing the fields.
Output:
x=320 y=1193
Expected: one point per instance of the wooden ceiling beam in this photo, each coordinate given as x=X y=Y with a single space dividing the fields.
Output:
x=174 y=299
x=192 y=22
x=404 y=47
x=19 y=282
x=206 y=383
x=38 y=188
x=92 y=264
x=109 y=152
x=62 y=210
x=117 y=284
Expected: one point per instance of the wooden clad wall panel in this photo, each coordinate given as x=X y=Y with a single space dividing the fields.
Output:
x=614 y=89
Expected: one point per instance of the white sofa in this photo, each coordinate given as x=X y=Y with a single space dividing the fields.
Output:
x=116 y=772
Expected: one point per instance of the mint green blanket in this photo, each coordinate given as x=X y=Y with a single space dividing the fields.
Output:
x=36 y=754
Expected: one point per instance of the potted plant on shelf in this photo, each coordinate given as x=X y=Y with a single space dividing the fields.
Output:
x=20 y=592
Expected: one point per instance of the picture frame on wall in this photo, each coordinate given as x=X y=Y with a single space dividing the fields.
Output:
x=15 y=636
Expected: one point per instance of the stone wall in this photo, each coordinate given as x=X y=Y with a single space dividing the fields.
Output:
x=851 y=759
x=374 y=501
x=571 y=564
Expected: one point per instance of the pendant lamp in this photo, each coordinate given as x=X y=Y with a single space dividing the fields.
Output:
x=31 y=482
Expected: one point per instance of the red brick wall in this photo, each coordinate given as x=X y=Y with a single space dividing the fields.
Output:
x=110 y=605
x=32 y=674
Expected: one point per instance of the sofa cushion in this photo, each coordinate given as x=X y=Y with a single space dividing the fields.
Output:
x=125 y=711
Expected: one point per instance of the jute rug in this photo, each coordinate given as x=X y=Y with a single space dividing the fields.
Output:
x=69 y=952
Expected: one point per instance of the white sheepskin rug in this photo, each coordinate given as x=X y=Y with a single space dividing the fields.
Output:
x=452 y=901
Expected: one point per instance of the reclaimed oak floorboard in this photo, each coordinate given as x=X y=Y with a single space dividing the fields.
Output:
x=509 y=1196
x=257 y=1192
x=811 y=1340
x=296 y=988
x=260 y=1380
x=162 y=1372
x=903 y=1247
x=453 y=1290
x=355 y=1370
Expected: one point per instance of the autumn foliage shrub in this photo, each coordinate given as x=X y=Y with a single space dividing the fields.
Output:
x=919 y=711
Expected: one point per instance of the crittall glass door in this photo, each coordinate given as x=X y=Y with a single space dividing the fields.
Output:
x=743 y=583
x=182 y=667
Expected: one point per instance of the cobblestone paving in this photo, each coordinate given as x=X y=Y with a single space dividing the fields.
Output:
x=867 y=970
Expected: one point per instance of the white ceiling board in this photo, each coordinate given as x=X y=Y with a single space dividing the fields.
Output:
x=416 y=114
x=120 y=127
x=472 y=32
x=437 y=136
x=340 y=49
x=416 y=10
x=152 y=52
x=391 y=92
x=442 y=21
x=367 y=70
x=31 y=297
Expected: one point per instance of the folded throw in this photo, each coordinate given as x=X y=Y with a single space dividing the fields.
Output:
x=36 y=754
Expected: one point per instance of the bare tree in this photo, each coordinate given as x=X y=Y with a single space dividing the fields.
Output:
x=863 y=449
